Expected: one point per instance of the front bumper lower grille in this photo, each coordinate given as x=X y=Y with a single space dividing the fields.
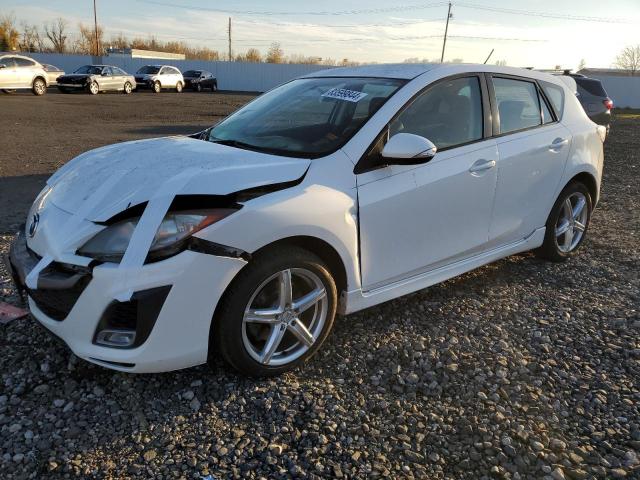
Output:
x=59 y=285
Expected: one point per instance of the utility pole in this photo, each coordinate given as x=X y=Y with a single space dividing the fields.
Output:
x=95 y=24
x=229 y=38
x=446 y=30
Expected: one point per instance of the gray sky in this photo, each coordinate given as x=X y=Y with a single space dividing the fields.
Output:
x=541 y=33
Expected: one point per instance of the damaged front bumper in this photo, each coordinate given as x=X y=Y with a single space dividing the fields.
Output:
x=169 y=303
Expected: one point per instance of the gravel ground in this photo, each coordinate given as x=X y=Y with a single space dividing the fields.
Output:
x=521 y=369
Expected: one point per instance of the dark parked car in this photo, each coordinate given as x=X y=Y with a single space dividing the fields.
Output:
x=199 y=80
x=593 y=98
x=97 y=78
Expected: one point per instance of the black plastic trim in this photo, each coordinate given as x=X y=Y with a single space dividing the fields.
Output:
x=201 y=245
x=143 y=310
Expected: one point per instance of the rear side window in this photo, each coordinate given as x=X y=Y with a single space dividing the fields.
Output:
x=555 y=94
x=591 y=86
x=518 y=104
x=448 y=113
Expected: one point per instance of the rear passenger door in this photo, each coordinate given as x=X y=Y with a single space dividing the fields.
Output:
x=533 y=149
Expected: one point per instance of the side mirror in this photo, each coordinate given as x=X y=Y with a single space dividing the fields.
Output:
x=408 y=149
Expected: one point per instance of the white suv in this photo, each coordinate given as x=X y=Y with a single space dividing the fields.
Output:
x=331 y=193
x=157 y=77
x=18 y=72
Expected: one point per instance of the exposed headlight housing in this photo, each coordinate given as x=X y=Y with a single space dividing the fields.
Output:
x=110 y=244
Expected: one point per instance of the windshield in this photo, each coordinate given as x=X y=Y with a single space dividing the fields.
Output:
x=309 y=117
x=149 y=69
x=191 y=73
x=89 y=69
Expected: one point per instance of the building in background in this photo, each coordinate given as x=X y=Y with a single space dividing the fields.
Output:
x=137 y=53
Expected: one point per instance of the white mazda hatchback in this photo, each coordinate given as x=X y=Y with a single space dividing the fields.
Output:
x=329 y=194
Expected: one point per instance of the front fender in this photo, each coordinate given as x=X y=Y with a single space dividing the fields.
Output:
x=306 y=210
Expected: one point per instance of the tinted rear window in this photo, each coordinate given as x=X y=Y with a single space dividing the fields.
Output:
x=592 y=86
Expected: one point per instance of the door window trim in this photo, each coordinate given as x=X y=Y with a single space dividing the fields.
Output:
x=487 y=118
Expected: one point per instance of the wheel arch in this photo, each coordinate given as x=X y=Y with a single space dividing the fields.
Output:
x=589 y=181
x=41 y=77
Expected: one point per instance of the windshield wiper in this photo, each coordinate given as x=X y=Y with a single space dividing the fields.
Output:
x=238 y=144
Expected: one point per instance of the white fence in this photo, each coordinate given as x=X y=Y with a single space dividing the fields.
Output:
x=238 y=76
x=624 y=91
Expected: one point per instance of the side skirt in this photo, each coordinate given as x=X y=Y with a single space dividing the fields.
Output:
x=360 y=299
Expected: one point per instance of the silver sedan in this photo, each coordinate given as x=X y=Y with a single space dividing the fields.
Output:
x=97 y=78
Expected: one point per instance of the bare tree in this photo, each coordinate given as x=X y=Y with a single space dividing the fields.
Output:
x=501 y=63
x=253 y=55
x=9 y=36
x=86 y=44
x=31 y=40
x=56 y=32
x=275 y=53
x=629 y=59
x=582 y=65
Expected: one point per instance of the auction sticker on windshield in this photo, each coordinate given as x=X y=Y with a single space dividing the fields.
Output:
x=344 y=94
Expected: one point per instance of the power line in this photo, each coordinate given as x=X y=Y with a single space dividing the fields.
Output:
x=397 y=8
x=530 y=13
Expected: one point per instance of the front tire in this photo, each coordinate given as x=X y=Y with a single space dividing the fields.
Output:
x=198 y=87
x=94 y=88
x=567 y=224
x=156 y=87
x=276 y=313
x=39 y=87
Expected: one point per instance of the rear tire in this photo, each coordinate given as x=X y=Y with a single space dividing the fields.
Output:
x=156 y=87
x=261 y=287
x=198 y=87
x=178 y=87
x=128 y=88
x=39 y=87
x=567 y=225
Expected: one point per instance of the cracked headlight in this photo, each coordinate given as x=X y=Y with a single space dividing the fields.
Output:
x=176 y=228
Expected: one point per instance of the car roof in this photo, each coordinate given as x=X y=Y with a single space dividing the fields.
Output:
x=409 y=71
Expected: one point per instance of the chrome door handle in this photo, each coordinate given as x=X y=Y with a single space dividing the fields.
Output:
x=482 y=165
x=558 y=143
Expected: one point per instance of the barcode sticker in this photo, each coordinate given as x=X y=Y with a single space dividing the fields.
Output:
x=344 y=94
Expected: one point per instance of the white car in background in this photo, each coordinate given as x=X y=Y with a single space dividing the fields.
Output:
x=18 y=72
x=158 y=77
x=331 y=193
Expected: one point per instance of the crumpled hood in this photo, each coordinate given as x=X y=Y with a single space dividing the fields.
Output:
x=146 y=168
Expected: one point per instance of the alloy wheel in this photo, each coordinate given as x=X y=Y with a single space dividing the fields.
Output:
x=40 y=87
x=93 y=88
x=284 y=317
x=572 y=222
x=127 y=88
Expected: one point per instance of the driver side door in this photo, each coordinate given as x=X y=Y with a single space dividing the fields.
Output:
x=416 y=218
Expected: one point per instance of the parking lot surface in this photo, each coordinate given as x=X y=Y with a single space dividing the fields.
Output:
x=520 y=369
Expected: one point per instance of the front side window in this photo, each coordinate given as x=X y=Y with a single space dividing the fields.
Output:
x=308 y=117
x=448 y=114
x=89 y=70
x=23 y=62
x=518 y=104
x=9 y=62
x=148 y=70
